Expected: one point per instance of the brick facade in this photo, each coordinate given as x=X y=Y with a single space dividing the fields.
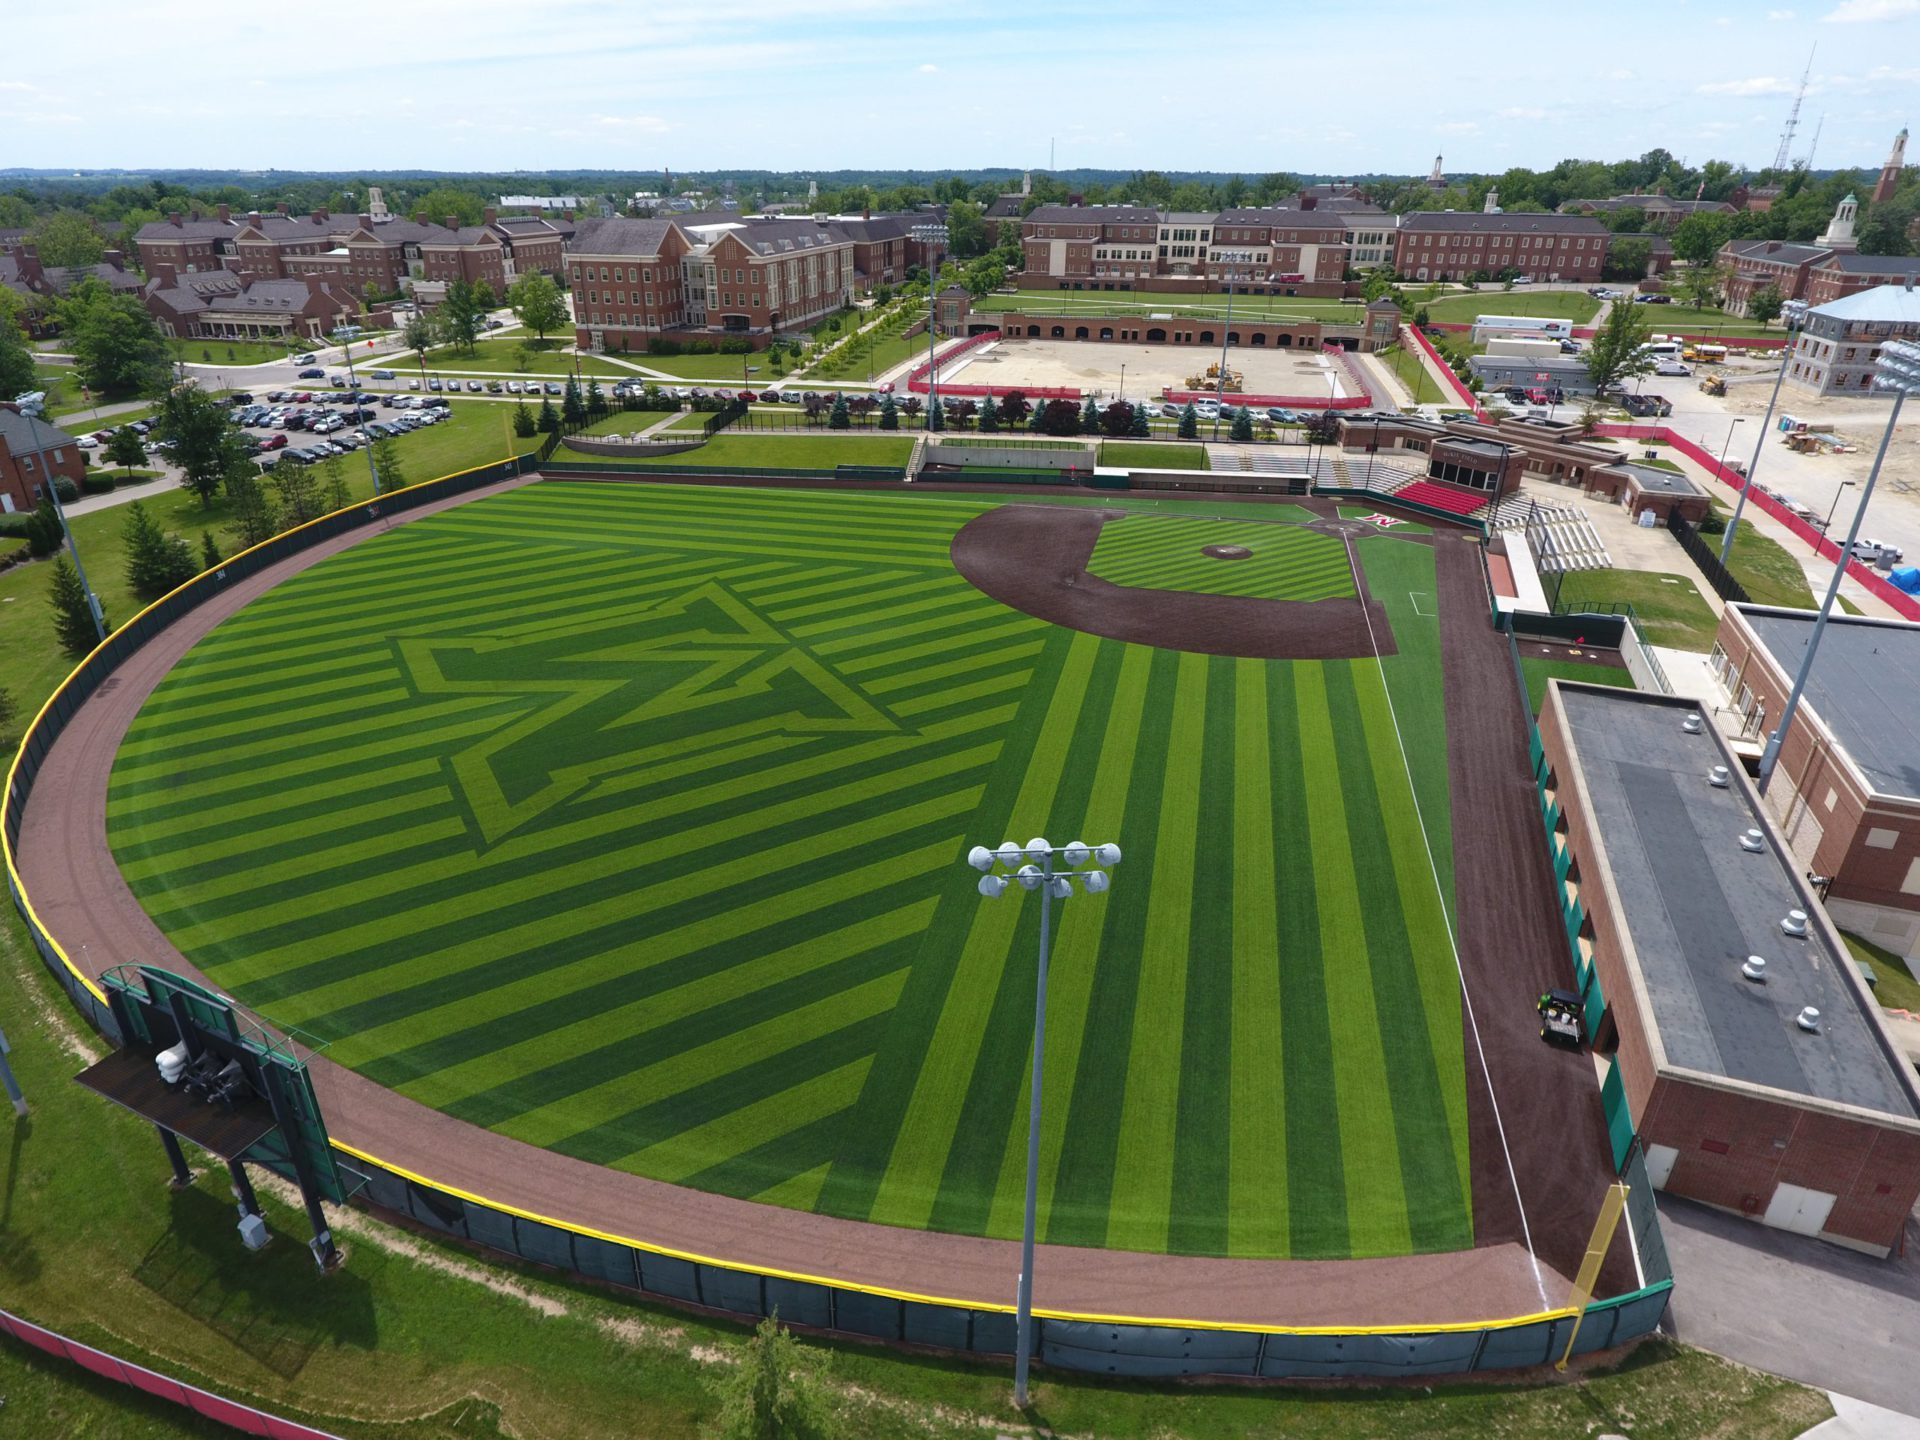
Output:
x=1272 y=251
x=30 y=451
x=1448 y=245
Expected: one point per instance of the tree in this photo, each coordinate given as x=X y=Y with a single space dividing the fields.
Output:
x=45 y=533
x=774 y=1391
x=1617 y=351
x=596 y=399
x=16 y=360
x=936 y=414
x=1889 y=227
x=444 y=200
x=538 y=302
x=1060 y=417
x=1117 y=420
x=572 y=412
x=1037 y=420
x=72 y=616
x=125 y=448
x=1703 y=286
x=386 y=464
x=1322 y=427
x=840 y=419
x=463 y=313
x=1765 y=304
x=333 y=485
x=156 y=561
x=206 y=447
x=209 y=550
x=115 y=344
x=549 y=421
x=420 y=335
x=1137 y=425
x=523 y=421
x=254 y=521
x=67 y=237
x=1189 y=423
x=1090 y=418
x=889 y=414
x=1627 y=258
x=298 y=493
x=989 y=416
x=1242 y=424
x=1698 y=238
x=1014 y=408
x=966 y=230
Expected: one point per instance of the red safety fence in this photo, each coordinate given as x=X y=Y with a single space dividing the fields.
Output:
x=1903 y=604
x=917 y=378
x=243 y=1418
x=1425 y=346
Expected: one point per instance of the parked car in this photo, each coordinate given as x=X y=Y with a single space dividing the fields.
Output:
x=554 y=387
x=303 y=359
x=383 y=374
x=413 y=382
x=274 y=442
x=1281 y=416
x=475 y=387
x=1875 y=552
x=514 y=387
x=1670 y=367
x=433 y=383
x=311 y=375
x=493 y=387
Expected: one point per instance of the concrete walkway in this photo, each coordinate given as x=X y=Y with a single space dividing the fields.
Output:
x=1857 y=1420
x=125 y=495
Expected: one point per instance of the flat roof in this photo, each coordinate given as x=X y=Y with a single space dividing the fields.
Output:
x=1865 y=686
x=1695 y=905
x=1653 y=478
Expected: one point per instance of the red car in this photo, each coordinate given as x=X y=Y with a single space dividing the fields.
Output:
x=275 y=441
x=747 y=397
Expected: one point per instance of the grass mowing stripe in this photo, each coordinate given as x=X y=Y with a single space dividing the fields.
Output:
x=457 y=1066
x=188 y=823
x=1075 y=966
x=927 y=676
x=691 y=1151
x=798 y=1191
x=1376 y=1203
x=1202 y=1138
x=145 y=849
x=573 y=1115
x=1143 y=1169
x=859 y=602
x=184 y=718
x=1257 y=1208
x=1434 y=976
x=911 y=1183
x=1390 y=870
x=1316 y=1171
x=1014 y=678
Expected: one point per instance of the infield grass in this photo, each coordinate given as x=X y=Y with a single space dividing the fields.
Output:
x=629 y=821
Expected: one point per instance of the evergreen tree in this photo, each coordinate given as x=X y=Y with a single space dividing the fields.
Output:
x=774 y=1392
x=299 y=495
x=72 y=618
x=1138 y=427
x=523 y=421
x=209 y=551
x=572 y=413
x=1242 y=424
x=44 y=531
x=989 y=416
x=889 y=414
x=386 y=461
x=840 y=419
x=936 y=415
x=549 y=421
x=1090 y=418
x=596 y=400
x=254 y=522
x=334 y=485
x=1189 y=423
x=1037 y=419
x=156 y=562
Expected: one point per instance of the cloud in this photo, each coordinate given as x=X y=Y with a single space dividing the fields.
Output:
x=1523 y=112
x=1755 y=85
x=649 y=124
x=1780 y=14
x=1856 y=12
x=929 y=69
x=1459 y=127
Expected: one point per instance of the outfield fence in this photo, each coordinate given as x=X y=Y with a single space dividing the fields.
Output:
x=1122 y=1345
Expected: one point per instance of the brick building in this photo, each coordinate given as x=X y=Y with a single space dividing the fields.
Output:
x=30 y=451
x=1454 y=244
x=1837 y=347
x=1662 y=211
x=1755 y=264
x=1276 y=251
x=1769 y=1089
x=222 y=305
x=1846 y=791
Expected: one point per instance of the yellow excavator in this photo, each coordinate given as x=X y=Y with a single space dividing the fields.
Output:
x=1715 y=384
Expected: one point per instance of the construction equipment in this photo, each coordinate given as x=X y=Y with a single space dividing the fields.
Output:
x=1715 y=384
x=1234 y=382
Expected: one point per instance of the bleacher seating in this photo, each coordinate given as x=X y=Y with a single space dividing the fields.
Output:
x=1443 y=497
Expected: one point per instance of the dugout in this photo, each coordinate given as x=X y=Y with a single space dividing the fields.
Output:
x=1772 y=1089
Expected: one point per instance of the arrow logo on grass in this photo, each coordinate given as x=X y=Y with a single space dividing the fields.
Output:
x=622 y=691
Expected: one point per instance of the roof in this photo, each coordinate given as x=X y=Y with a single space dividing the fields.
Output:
x=282 y=297
x=1656 y=203
x=1694 y=904
x=1781 y=253
x=1279 y=216
x=1889 y=304
x=1562 y=364
x=1651 y=478
x=1094 y=215
x=1004 y=207
x=1852 y=263
x=1865 y=687
x=1506 y=222
x=620 y=236
x=25 y=432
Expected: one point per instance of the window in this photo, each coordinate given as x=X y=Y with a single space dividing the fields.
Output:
x=1911 y=885
x=1833 y=798
x=1881 y=839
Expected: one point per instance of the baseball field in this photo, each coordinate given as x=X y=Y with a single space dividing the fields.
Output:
x=629 y=821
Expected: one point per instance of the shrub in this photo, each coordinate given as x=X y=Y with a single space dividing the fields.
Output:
x=734 y=345
x=660 y=346
x=95 y=483
x=65 y=489
x=14 y=524
x=699 y=347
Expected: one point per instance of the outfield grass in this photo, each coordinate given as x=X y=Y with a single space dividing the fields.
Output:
x=1573 y=305
x=1538 y=670
x=1671 y=611
x=519 y=905
x=1144 y=455
x=819 y=449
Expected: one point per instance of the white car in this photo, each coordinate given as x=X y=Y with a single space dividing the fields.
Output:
x=1670 y=367
x=514 y=387
x=414 y=384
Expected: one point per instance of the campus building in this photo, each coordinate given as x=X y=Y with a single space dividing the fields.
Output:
x=1838 y=344
x=1846 y=791
x=1264 y=251
x=1663 y=212
x=222 y=305
x=635 y=281
x=1742 y=1045
x=1456 y=244
x=31 y=450
x=1820 y=273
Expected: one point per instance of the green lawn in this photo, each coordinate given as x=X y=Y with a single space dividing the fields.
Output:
x=1144 y=455
x=1677 y=318
x=1157 y=552
x=868 y=357
x=1770 y=573
x=512 y=902
x=1538 y=670
x=451 y=1346
x=1671 y=610
x=1573 y=305
x=237 y=352
x=1412 y=373
x=499 y=355
x=730 y=369
x=1895 y=986
x=819 y=450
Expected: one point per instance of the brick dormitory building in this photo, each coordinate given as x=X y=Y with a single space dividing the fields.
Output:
x=1452 y=245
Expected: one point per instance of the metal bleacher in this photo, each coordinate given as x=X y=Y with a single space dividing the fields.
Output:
x=1561 y=538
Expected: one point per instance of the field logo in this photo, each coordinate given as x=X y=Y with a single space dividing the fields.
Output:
x=1384 y=522
x=620 y=692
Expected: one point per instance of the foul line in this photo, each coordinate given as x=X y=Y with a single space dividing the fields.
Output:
x=1466 y=995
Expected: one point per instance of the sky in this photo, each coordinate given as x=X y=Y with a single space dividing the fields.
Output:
x=1319 y=86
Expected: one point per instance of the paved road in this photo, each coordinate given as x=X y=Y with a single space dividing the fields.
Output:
x=1798 y=1307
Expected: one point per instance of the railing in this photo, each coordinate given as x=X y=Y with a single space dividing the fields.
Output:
x=1902 y=604
x=1425 y=346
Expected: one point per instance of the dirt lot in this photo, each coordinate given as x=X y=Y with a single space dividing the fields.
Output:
x=1092 y=365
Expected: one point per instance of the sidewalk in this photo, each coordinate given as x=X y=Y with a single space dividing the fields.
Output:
x=125 y=495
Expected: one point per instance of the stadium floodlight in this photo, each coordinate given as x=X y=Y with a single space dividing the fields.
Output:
x=1794 y=313
x=1038 y=874
x=1896 y=374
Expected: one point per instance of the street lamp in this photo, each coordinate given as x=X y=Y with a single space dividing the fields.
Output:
x=1228 y=258
x=1794 y=312
x=932 y=236
x=51 y=489
x=1727 y=445
x=1000 y=869
x=366 y=440
x=1827 y=524
x=1898 y=374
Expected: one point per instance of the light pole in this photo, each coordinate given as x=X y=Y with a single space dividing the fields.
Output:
x=1793 y=312
x=932 y=236
x=1897 y=373
x=1228 y=258
x=1727 y=445
x=1038 y=874
x=1827 y=524
x=51 y=490
x=366 y=440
